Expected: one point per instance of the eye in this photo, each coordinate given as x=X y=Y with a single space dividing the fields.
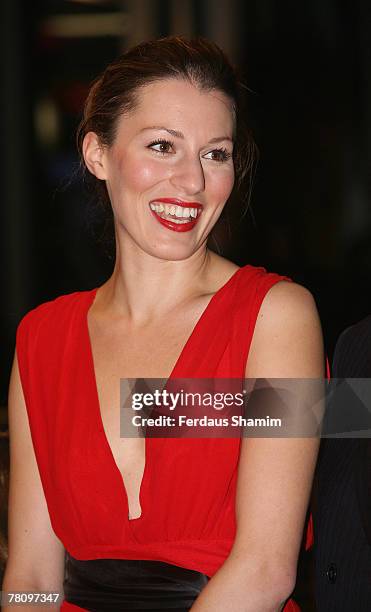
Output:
x=219 y=155
x=161 y=146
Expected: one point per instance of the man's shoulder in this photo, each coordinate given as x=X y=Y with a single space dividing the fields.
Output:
x=358 y=332
x=353 y=351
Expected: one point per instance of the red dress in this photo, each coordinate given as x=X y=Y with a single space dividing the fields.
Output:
x=188 y=513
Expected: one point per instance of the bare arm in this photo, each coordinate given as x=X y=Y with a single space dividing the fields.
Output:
x=36 y=555
x=275 y=474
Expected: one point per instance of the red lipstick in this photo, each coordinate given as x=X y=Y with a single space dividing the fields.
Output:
x=173 y=225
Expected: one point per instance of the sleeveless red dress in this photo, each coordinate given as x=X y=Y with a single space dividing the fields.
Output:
x=188 y=513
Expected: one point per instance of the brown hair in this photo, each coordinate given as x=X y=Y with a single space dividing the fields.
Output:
x=115 y=92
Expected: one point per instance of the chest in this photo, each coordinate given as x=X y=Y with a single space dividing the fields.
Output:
x=150 y=351
x=121 y=353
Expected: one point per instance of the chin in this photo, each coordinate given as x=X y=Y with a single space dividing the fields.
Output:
x=171 y=252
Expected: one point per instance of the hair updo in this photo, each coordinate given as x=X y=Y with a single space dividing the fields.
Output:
x=116 y=92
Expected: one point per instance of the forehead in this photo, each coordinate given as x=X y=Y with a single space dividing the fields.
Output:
x=179 y=104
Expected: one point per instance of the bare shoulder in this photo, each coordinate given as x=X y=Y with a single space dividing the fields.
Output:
x=288 y=302
x=287 y=340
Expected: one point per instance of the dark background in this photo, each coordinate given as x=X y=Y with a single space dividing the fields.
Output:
x=308 y=68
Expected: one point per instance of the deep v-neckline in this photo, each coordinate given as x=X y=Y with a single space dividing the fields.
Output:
x=91 y=372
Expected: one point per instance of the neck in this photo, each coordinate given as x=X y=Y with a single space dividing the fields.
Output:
x=143 y=287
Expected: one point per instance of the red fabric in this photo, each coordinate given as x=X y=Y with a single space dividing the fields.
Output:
x=189 y=485
x=309 y=535
x=291 y=606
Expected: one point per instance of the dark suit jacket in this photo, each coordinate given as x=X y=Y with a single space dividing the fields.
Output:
x=342 y=491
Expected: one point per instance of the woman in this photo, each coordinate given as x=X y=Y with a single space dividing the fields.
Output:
x=200 y=524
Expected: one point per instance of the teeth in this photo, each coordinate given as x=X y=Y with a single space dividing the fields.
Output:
x=176 y=211
x=168 y=209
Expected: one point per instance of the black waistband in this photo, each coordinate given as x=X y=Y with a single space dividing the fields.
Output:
x=115 y=585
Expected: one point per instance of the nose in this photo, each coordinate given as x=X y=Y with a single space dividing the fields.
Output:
x=188 y=176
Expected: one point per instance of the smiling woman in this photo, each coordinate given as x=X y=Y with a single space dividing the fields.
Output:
x=159 y=523
x=151 y=164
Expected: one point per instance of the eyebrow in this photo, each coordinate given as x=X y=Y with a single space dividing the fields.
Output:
x=178 y=134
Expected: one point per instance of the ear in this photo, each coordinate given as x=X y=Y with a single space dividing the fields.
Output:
x=93 y=153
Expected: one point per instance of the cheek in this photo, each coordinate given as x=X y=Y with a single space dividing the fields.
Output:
x=221 y=186
x=138 y=176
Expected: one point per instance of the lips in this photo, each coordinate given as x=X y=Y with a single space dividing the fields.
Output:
x=176 y=215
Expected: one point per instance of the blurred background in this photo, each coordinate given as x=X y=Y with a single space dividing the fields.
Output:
x=307 y=66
